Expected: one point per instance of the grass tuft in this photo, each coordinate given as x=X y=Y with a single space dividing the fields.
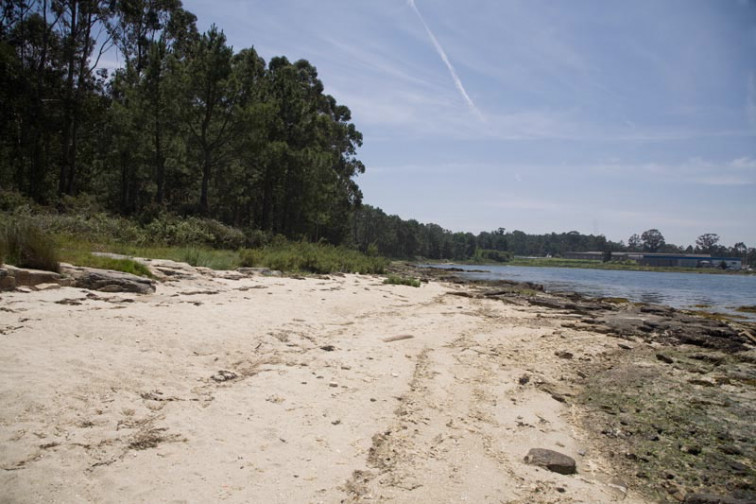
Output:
x=396 y=280
x=110 y=263
x=26 y=246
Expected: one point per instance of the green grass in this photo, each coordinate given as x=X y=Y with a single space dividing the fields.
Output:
x=199 y=242
x=396 y=280
x=312 y=258
x=25 y=245
x=110 y=263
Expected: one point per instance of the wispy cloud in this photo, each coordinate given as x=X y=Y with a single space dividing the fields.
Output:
x=457 y=81
x=735 y=172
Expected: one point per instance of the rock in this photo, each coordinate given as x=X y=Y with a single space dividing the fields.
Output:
x=223 y=376
x=703 y=498
x=259 y=271
x=551 y=460
x=664 y=358
x=656 y=309
x=7 y=281
x=563 y=354
x=12 y=277
x=47 y=286
x=109 y=281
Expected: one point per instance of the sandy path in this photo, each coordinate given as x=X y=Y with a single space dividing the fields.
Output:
x=111 y=397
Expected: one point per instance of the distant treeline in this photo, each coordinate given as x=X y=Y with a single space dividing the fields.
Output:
x=188 y=126
x=392 y=236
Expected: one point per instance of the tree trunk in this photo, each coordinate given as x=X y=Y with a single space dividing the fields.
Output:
x=68 y=120
x=204 y=207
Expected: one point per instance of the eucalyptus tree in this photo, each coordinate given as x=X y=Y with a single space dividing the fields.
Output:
x=85 y=33
x=209 y=95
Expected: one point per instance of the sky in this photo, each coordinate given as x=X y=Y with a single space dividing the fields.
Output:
x=600 y=116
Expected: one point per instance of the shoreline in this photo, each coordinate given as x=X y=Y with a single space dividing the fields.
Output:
x=338 y=388
x=729 y=312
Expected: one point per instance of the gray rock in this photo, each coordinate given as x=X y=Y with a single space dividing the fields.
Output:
x=551 y=460
x=259 y=271
x=109 y=281
x=703 y=498
x=12 y=277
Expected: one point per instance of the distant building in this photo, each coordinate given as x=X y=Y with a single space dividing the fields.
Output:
x=690 y=261
x=586 y=256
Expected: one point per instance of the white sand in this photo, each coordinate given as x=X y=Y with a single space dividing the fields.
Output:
x=112 y=400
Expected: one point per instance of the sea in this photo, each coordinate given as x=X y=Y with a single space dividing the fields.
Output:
x=693 y=291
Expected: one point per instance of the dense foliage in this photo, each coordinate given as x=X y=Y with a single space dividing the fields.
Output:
x=187 y=126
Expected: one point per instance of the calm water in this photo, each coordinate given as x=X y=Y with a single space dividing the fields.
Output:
x=681 y=290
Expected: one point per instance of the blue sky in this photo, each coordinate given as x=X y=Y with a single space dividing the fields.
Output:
x=608 y=117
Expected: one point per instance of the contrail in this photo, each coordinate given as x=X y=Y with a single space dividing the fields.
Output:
x=445 y=59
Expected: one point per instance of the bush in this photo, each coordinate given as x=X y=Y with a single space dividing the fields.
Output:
x=192 y=231
x=488 y=255
x=12 y=200
x=26 y=246
x=395 y=280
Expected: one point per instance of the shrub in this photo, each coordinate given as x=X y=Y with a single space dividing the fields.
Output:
x=26 y=246
x=395 y=280
x=488 y=255
x=192 y=231
x=12 y=200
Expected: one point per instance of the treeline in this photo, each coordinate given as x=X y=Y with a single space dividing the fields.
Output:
x=392 y=236
x=188 y=126
x=389 y=235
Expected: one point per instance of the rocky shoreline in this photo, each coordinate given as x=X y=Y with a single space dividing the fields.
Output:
x=683 y=431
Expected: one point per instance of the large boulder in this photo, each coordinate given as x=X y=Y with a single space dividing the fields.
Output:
x=12 y=277
x=107 y=280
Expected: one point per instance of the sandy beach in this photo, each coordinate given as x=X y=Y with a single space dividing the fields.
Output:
x=223 y=387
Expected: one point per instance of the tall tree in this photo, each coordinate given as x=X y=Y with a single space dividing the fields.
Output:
x=210 y=96
x=707 y=241
x=85 y=27
x=652 y=240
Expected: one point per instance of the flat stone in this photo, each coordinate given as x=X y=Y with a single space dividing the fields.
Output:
x=109 y=281
x=551 y=460
x=47 y=286
x=24 y=277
